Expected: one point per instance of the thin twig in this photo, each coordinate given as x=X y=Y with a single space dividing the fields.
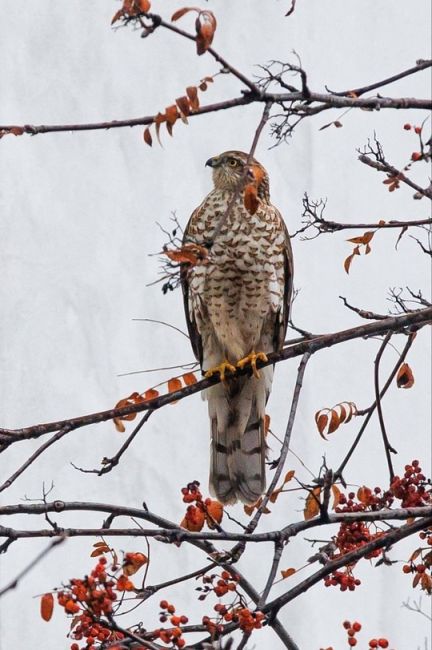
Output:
x=371 y=409
x=388 y=448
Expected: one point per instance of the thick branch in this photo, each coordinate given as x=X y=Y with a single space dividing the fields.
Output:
x=415 y=319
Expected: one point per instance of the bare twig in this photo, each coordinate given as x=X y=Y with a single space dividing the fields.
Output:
x=371 y=409
x=387 y=447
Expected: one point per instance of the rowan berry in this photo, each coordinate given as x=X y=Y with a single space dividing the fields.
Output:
x=407 y=127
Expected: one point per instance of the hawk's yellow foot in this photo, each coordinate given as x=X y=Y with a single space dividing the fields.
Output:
x=222 y=369
x=252 y=359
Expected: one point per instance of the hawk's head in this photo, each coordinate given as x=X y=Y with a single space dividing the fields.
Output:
x=229 y=169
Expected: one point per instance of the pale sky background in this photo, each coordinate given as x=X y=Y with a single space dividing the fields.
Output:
x=78 y=225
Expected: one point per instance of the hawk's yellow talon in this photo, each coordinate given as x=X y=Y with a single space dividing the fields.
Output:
x=222 y=368
x=252 y=359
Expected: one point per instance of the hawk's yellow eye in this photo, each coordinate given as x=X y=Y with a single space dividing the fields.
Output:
x=232 y=162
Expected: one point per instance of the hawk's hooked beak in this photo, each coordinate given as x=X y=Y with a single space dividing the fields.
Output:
x=211 y=162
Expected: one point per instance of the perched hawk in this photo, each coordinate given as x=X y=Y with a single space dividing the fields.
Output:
x=237 y=307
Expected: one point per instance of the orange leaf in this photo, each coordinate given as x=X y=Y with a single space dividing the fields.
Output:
x=181 y=12
x=148 y=137
x=151 y=393
x=124 y=584
x=321 y=422
x=187 y=254
x=312 y=505
x=189 y=378
x=364 y=494
x=267 y=422
x=183 y=104
x=171 y=114
x=274 y=495
x=286 y=573
x=205 y=26
x=289 y=476
x=336 y=495
x=363 y=239
x=192 y=93
x=47 y=607
x=133 y=562
x=334 y=421
x=405 y=377
x=350 y=258
x=214 y=512
x=194 y=519
x=116 y=16
x=174 y=384
x=250 y=199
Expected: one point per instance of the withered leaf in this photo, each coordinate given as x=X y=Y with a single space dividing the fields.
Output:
x=181 y=12
x=183 y=104
x=286 y=573
x=148 y=137
x=192 y=93
x=405 y=377
x=250 y=199
x=205 y=26
x=312 y=505
x=189 y=378
x=47 y=607
x=174 y=384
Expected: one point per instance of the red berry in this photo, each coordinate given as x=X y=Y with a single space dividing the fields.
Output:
x=346 y=625
x=357 y=626
x=383 y=643
x=407 y=127
x=352 y=641
x=373 y=643
x=416 y=155
x=163 y=604
x=418 y=130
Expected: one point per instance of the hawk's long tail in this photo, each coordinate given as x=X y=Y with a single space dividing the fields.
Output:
x=238 y=448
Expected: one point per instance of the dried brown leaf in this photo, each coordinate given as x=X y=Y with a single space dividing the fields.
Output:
x=405 y=377
x=286 y=573
x=148 y=137
x=181 y=12
x=312 y=505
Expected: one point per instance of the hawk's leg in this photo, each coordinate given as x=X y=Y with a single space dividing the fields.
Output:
x=252 y=359
x=222 y=369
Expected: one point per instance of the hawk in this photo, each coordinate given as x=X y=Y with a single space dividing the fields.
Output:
x=237 y=306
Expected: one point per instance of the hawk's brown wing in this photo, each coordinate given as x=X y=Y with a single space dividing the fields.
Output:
x=283 y=315
x=194 y=334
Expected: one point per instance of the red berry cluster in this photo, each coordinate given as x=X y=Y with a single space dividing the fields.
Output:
x=412 y=489
x=172 y=635
x=191 y=492
x=220 y=585
x=344 y=579
x=206 y=511
x=93 y=597
x=247 y=620
x=378 y=643
x=354 y=535
x=423 y=570
x=417 y=129
x=352 y=630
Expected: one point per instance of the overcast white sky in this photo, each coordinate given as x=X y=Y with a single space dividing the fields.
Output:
x=77 y=227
